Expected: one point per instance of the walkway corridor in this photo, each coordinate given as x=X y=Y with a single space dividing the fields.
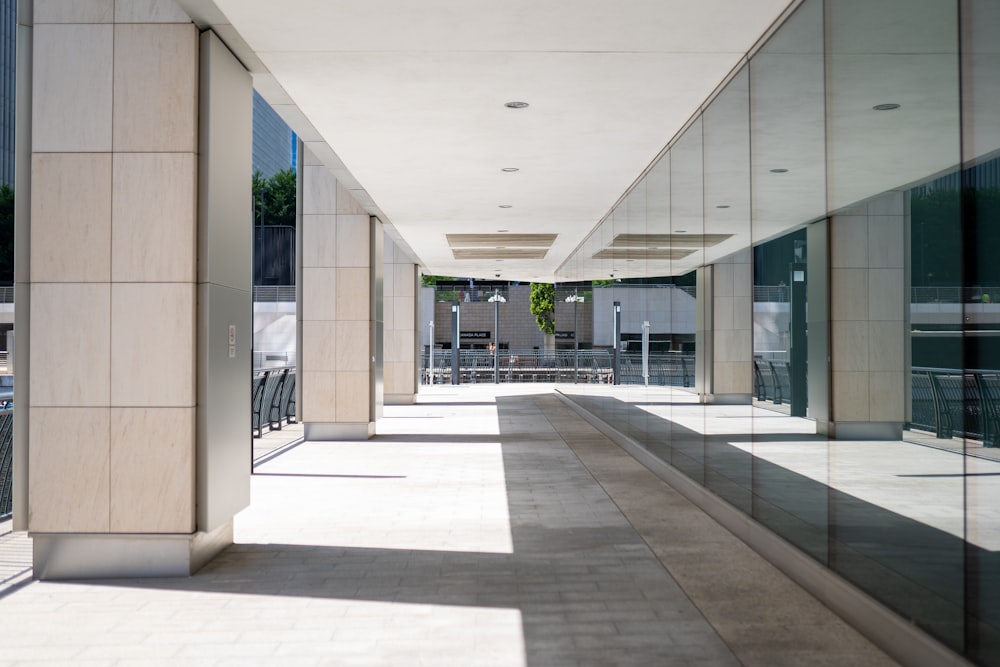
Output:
x=474 y=530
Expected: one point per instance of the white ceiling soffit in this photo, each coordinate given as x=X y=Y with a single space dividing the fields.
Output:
x=410 y=97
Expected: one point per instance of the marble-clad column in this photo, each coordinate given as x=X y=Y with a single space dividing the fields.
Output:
x=724 y=340
x=112 y=433
x=869 y=312
x=339 y=309
x=400 y=302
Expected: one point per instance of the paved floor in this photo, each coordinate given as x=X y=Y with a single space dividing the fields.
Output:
x=472 y=531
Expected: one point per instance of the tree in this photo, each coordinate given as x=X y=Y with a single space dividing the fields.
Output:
x=431 y=281
x=543 y=306
x=274 y=198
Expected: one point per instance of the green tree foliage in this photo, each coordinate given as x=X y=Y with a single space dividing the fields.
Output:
x=543 y=306
x=431 y=281
x=6 y=234
x=274 y=198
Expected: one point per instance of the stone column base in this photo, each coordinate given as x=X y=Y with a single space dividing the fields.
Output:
x=333 y=431
x=861 y=430
x=726 y=399
x=100 y=556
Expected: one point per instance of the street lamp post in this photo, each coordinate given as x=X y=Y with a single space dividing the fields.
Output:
x=575 y=298
x=645 y=352
x=456 y=339
x=430 y=359
x=616 y=340
x=496 y=300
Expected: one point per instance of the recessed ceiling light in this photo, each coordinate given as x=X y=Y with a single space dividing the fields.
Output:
x=779 y=171
x=886 y=107
x=722 y=206
x=510 y=170
x=506 y=206
x=516 y=105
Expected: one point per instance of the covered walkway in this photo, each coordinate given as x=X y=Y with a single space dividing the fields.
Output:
x=483 y=526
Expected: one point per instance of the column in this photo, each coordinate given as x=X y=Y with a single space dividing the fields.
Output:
x=400 y=302
x=723 y=335
x=120 y=447
x=339 y=310
x=869 y=311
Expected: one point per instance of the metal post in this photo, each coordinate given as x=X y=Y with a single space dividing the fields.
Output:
x=645 y=352
x=430 y=360
x=616 y=341
x=798 y=343
x=496 y=339
x=456 y=363
x=497 y=299
x=576 y=339
x=576 y=299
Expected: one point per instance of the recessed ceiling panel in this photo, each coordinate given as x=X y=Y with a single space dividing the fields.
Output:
x=639 y=253
x=668 y=240
x=500 y=240
x=498 y=253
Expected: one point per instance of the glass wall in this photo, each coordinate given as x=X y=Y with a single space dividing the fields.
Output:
x=839 y=198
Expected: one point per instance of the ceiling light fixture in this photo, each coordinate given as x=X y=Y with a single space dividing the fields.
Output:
x=680 y=231
x=891 y=106
x=506 y=206
x=779 y=171
x=502 y=231
x=722 y=206
x=510 y=170
x=516 y=105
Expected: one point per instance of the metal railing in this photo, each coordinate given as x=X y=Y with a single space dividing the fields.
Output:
x=272 y=399
x=985 y=294
x=585 y=366
x=955 y=294
x=953 y=403
x=6 y=462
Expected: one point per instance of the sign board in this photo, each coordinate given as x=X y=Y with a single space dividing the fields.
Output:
x=571 y=335
x=476 y=334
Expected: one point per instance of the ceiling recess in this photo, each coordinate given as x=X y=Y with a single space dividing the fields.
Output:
x=642 y=253
x=500 y=246
x=494 y=253
x=494 y=240
x=668 y=240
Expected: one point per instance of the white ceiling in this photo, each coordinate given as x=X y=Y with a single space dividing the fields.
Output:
x=405 y=102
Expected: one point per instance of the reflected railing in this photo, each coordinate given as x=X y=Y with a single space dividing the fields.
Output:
x=952 y=403
x=980 y=294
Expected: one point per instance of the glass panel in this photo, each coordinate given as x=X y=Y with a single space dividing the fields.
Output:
x=726 y=127
x=893 y=121
x=687 y=218
x=981 y=212
x=787 y=108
